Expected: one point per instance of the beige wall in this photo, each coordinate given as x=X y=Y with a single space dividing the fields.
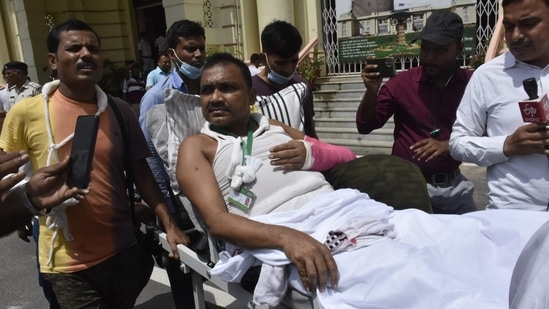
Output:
x=268 y=11
x=32 y=33
x=26 y=41
x=10 y=45
x=250 y=29
x=237 y=25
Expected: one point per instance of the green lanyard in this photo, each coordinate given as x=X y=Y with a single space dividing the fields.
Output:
x=246 y=146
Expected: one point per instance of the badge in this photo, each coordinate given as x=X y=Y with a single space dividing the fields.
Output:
x=242 y=198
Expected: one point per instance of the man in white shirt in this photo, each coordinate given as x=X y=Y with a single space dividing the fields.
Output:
x=489 y=129
x=161 y=44
x=254 y=64
x=145 y=54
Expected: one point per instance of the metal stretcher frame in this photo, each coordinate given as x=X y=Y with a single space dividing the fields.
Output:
x=200 y=270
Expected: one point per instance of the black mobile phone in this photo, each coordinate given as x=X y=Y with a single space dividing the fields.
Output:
x=385 y=66
x=83 y=146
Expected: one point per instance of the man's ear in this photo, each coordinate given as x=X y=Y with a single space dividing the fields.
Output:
x=263 y=59
x=171 y=54
x=459 y=48
x=52 y=60
x=252 y=98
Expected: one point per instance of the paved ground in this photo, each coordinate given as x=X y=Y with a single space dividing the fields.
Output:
x=477 y=175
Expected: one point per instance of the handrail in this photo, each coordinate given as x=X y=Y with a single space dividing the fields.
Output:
x=497 y=42
x=307 y=49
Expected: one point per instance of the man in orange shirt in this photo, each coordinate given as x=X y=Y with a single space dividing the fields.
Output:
x=88 y=249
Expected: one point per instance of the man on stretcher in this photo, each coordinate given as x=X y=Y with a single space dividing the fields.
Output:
x=241 y=182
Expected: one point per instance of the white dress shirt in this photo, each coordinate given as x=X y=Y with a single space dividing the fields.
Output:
x=488 y=113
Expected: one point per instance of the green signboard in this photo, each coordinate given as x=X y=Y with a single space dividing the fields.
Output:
x=360 y=48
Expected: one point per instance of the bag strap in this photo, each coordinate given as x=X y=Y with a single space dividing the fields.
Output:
x=128 y=168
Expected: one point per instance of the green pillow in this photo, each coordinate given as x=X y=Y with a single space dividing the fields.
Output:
x=386 y=178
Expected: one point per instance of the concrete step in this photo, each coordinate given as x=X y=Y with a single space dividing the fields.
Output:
x=352 y=134
x=341 y=82
x=335 y=122
x=337 y=102
x=335 y=112
x=339 y=94
x=335 y=105
x=345 y=122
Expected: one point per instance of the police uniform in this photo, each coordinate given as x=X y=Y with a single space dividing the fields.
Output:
x=15 y=94
x=28 y=89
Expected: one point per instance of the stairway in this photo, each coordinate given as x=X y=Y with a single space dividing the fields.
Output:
x=335 y=102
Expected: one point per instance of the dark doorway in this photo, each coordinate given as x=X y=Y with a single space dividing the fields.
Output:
x=150 y=18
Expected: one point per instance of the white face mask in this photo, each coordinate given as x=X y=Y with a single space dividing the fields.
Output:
x=277 y=78
x=188 y=70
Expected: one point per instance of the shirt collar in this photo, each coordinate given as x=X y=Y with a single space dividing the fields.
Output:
x=509 y=61
x=25 y=85
x=459 y=75
x=178 y=82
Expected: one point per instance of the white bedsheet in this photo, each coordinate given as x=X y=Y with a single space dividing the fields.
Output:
x=436 y=261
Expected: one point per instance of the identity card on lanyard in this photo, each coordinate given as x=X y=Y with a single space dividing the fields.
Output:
x=243 y=198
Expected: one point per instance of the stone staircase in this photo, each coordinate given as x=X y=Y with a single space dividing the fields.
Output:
x=336 y=101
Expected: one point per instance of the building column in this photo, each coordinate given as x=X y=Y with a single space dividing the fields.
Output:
x=33 y=32
x=268 y=10
x=10 y=47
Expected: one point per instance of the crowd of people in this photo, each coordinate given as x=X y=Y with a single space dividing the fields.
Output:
x=90 y=254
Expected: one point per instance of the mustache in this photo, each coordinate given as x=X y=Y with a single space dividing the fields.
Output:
x=83 y=64
x=519 y=43
x=215 y=106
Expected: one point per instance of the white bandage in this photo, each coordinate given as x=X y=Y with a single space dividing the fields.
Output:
x=309 y=159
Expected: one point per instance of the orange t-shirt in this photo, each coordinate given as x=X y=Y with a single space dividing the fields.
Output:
x=101 y=224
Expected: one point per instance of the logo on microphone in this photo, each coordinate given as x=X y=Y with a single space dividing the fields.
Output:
x=529 y=110
x=535 y=110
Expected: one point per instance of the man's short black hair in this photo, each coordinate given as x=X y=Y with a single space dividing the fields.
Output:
x=72 y=24
x=281 y=38
x=226 y=58
x=183 y=29
x=254 y=58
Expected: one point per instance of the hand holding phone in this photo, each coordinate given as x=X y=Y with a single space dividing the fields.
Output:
x=385 y=66
x=83 y=147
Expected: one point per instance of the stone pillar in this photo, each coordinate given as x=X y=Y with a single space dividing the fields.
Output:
x=268 y=11
x=33 y=31
x=10 y=46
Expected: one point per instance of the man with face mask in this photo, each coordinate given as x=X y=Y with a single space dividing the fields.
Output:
x=423 y=101
x=281 y=42
x=187 y=49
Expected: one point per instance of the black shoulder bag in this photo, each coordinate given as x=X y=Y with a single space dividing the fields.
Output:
x=148 y=239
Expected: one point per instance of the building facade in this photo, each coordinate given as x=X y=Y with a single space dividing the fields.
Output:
x=231 y=25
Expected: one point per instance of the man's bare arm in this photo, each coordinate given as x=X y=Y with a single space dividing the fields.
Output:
x=197 y=180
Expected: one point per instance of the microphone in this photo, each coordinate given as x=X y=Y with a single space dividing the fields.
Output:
x=534 y=109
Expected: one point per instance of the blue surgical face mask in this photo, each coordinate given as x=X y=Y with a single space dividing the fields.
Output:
x=277 y=78
x=188 y=70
